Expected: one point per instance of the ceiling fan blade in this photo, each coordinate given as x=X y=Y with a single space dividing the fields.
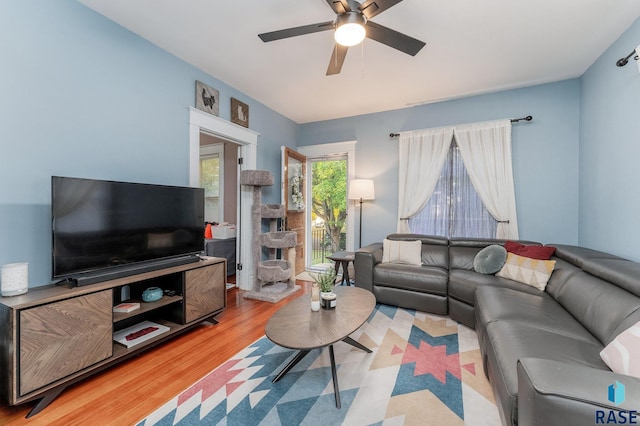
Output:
x=337 y=59
x=339 y=6
x=371 y=8
x=296 y=31
x=392 y=38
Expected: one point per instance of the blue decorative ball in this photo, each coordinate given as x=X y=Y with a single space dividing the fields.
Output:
x=152 y=294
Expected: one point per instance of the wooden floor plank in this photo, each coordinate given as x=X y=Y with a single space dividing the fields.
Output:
x=127 y=393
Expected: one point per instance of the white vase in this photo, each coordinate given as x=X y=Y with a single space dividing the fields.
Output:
x=14 y=279
x=315 y=298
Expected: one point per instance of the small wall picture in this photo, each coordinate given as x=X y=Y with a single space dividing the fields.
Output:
x=207 y=98
x=239 y=112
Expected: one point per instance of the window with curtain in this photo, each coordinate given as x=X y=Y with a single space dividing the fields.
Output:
x=462 y=191
x=455 y=208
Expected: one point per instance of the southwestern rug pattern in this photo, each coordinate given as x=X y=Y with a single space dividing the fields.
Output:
x=424 y=369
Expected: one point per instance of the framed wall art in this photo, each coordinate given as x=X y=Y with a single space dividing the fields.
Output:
x=239 y=112
x=207 y=98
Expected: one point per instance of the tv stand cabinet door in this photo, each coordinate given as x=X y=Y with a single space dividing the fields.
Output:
x=205 y=291
x=61 y=338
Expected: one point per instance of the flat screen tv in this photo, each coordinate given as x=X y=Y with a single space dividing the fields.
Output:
x=104 y=230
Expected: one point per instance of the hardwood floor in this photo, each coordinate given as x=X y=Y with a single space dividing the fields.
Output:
x=127 y=393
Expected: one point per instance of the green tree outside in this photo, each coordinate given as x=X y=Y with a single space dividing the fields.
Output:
x=329 y=200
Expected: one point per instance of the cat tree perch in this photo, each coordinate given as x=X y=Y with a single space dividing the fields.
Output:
x=274 y=279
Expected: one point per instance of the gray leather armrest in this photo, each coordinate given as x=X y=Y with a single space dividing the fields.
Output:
x=556 y=393
x=366 y=259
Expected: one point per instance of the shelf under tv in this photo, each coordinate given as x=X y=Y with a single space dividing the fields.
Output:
x=82 y=344
x=145 y=307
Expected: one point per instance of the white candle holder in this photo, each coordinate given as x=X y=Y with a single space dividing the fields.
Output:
x=14 y=279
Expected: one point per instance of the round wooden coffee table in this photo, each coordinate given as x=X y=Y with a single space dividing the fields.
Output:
x=296 y=326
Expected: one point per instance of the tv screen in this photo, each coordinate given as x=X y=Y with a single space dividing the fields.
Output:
x=99 y=225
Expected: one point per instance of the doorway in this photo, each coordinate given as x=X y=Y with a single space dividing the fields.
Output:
x=219 y=178
x=247 y=141
x=328 y=208
x=340 y=158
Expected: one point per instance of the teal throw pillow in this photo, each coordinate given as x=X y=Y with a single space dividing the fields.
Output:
x=490 y=260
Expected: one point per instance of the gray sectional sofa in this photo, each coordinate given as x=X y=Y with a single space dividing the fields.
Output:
x=540 y=348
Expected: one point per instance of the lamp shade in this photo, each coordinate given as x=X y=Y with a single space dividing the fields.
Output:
x=361 y=189
x=350 y=29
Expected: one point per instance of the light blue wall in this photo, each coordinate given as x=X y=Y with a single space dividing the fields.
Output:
x=81 y=96
x=610 y=151
x=545 y=154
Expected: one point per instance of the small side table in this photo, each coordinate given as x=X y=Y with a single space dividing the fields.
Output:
x=342 y=258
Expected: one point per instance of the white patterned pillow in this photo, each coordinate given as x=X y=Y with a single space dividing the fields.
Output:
x=406 y=252
x=533 y=272
x=622 y=355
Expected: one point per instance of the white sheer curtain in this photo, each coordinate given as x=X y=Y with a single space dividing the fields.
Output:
x=486 y=152
x=455 y=208
x=421 y=157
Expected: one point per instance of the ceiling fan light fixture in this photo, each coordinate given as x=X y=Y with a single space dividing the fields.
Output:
x=350 y=29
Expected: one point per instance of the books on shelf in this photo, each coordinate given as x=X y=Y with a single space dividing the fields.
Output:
x=139 y=333
x=126 y=307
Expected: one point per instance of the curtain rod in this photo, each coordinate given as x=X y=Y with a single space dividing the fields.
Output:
x=623 y=61
x=513 y=120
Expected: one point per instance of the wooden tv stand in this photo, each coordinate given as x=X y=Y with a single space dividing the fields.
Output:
x=54 y=336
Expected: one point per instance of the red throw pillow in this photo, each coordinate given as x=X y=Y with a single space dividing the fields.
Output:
x=207 y=231
x=532 y=252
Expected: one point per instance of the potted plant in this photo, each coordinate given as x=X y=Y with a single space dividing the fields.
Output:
x=326 y=280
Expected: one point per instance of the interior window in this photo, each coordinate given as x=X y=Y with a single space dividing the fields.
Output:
x=210 y=180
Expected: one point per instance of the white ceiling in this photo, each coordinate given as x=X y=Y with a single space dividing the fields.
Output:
x=472 y=47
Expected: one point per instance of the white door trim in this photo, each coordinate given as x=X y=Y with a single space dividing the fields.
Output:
x=347 y=148
x=200 y=121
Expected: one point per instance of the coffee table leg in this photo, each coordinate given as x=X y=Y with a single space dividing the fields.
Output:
x=335 y=376
x=358 y=345
x=296 y=359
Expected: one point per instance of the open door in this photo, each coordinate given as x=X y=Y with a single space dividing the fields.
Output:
x=294 y=168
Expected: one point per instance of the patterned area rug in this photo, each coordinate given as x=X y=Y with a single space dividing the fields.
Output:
x=424 y=369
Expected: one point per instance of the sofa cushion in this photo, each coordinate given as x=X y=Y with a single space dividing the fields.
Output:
x=561 y=273
x=463 y=284
x=462 y=251
x=404 y=252
x=602 y=307
x=425 y=279
x=577 y=255
x=490 y=259
x=435 y=250
x=533 y=251
x=529 y=271
x=540 y=309
x=509 y=341
x=624 y=273
x=622 y=355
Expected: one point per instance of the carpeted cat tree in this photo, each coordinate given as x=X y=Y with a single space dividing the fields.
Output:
x=274 y=279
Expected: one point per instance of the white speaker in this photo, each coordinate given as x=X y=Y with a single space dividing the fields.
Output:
x=14 y=279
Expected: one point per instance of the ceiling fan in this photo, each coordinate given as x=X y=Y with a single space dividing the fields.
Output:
x=352 y=24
